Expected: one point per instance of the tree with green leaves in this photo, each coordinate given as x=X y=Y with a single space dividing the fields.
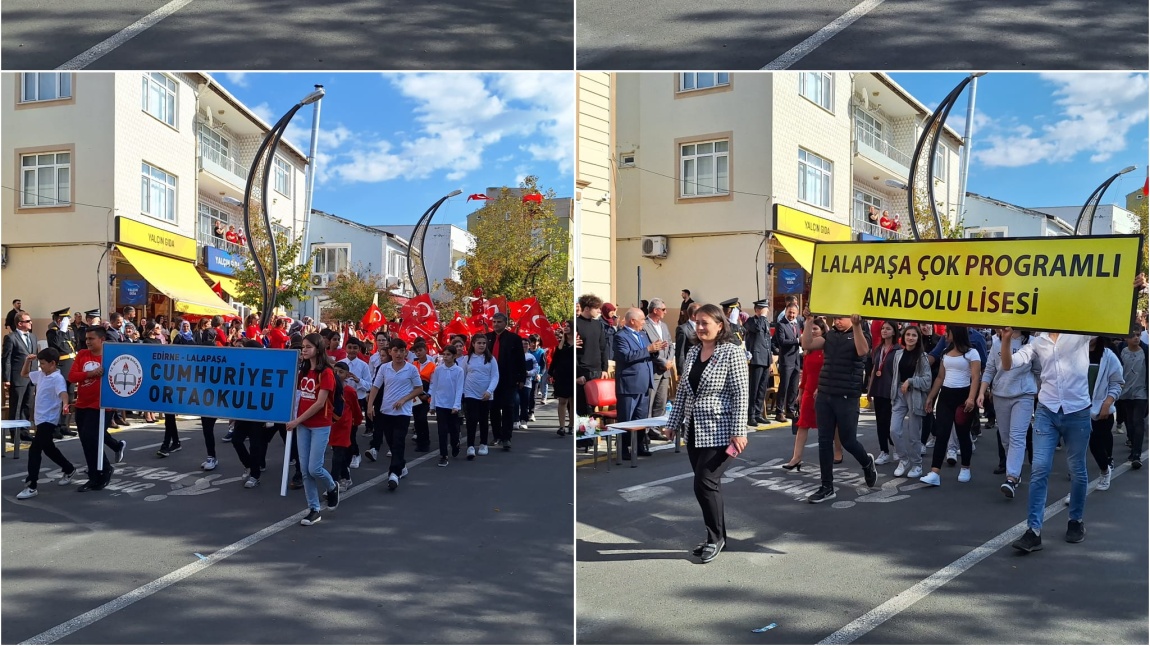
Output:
x=520 y=250
x=952 y=224
x=293 y=275
x=352 y=292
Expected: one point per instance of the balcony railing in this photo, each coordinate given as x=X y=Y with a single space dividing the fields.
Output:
x=867 y=139
x=863 y=224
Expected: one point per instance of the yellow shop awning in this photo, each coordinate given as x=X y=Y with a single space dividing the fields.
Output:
x=229 y=284
x=803 y=251
x=178 y=280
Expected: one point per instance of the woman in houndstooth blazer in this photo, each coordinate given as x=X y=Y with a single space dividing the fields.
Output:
x=711 y=406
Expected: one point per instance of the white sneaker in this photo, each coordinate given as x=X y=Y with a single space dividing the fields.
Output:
x=28 y=492
x=922 y=449
x=471 y=453
x=532 y=418
x=403 y=474
x=392 y=482
x=371 y=454
x=209 y=464
x=1120 y=429
x=1066 y=500
x=1104 y=481
x=951 y=457
x=931 y=479
x=251 y=483
x=354 y=462
x=900 y=470
x=895 y=457
x=914 y=473
x=389 y=454
x=964 y=475
x=930 y=442
x=523 y=426
x=882 y=458
x=66 y=479
x=482 y=450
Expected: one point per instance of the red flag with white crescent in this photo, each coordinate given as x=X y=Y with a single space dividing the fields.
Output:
x=533 y=197
x=516 y=309
x=478 y=196
x=534 y=321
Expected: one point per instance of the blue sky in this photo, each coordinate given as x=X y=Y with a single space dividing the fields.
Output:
x=390 y=145
x=1048 y=139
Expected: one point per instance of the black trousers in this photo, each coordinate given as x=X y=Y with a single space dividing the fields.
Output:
x=950 y=401
x=422 y=430
x=882 y=415
x=841 y=412
x=341 y=463
x=88 y=424
x=109 y=441
x=708 y=464
x=20 y=401
x=475 y=413
x=171 y=434
x=760 y=382
x=395 y=430
x=788 y=392
x=1102 y=442
x=1135 y=414
x=504 y=411
x=447 y=423
x=209 y=426
x=257 y=436
x=44 y=445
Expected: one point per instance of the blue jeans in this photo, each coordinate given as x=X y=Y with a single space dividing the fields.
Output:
x=312 y=444
x=1074 y=430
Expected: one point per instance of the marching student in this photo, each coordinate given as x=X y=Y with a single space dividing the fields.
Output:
x=1133 y=398
x=425 y=367
x=359 y=377
x=400 y=385
x=1013 y=394
x=1105 y=378
x=86 y=373
x=956 y=388
x=51 y=403
x=447 y=396
x=313 y=424
x=480 y=378
x=343 y=430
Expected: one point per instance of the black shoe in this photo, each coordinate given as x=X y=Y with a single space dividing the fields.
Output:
x=1075 y=531
x=870 y=472
x=1000 y=469
x=1029 y=542
x=99 y=484
x=626 y=456
x=333 y=497
x=69 y=432
x=296 y=482
x=90 y=485
x=25 y=437
x=506 y=445
x=57 y=434
x=228 y=436
x=312 y=518
x=454 y=450
x=561 y=431
x=644 y=453
x=791 y=467
x=698 y=551
x=176 y=447
x=824 y=494
x=163 y=452
x=711 y=550
x=1009 y=488
x=838 y=461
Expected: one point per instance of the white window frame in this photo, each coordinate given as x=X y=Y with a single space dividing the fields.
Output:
x=214 y=144
x=397 y=265
x=327 y=258
x=30 y=196
x=61 y=85
x=209 y=215
x=941 y=155
x=277 y=228
x=995 y=232
x=818 y=88
x=690 y=185
x=860 y=203
x=168 y=107
x=692 y=81
x=157 y=183
x=282 y=177
x=869 y=128
x=809 y=166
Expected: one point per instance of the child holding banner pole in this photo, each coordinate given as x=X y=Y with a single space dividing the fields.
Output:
x=313 y=419
x=90 y=420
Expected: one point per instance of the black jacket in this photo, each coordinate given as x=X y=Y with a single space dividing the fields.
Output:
x=591 y=359
x=759 y=340
x=685 y=339
x=512 y=364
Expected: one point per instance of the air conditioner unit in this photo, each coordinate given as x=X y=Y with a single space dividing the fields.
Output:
x=320 y=280
x=655 y=246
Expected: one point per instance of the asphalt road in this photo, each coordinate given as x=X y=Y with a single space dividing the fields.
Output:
x=894 y=35
x=284 y=34
x=477 y=552
x=813 y=570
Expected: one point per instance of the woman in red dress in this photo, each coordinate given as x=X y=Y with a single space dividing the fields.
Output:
x=808 y=386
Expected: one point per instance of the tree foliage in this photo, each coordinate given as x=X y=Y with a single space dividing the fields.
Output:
x=953 y=226
x=520 y=250
x=351 y=294
x=293 y=275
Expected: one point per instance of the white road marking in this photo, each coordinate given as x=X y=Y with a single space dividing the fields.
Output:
x=815 y=40
x=123 y=601
x=124 y=35
x=152 y=446
x=22 y=475
x=887 y=610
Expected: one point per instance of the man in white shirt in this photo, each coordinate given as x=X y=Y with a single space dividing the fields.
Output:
x=400 y=384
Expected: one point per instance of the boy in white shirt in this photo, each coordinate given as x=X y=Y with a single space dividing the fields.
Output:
x=400 y=385
x=447 y=398
x=51 y=401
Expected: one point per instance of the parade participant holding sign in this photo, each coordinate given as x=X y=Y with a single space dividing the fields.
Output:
x=447 y=397
x=956 y=387
x=51 y=403
x=911 y=380
x=480 y=379
x=86 y=373
x=1013 y=393
x=711 y=406
x=313 y=424
x=400 y=385
x=845 y=348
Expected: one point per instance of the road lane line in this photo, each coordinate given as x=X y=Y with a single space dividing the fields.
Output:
x=817 y=39
x=123 y=601
x=127 y=33
x=905 y=599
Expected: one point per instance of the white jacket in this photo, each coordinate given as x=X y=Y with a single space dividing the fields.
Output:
x=1109 y=382
x=479 y=376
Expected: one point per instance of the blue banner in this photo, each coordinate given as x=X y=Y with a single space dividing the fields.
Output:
x=866 y=237
x=133 y=292
x=791 y=281
x=221 y=262
x=230 y=383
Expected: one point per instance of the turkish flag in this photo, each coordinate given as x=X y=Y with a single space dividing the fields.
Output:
x=494 y=306
x=373 y=319
x=410 y=330
x=516 y=309
x=478 y=324
x=218 y=288
x=420 y=310
x=534 y=321
x=478 y=196
x=533 y=197
x=458 y=325
x=1146 y=187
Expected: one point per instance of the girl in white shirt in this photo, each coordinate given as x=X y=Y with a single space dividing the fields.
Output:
x=957 y=389
x=481 y=376
x=447 y=396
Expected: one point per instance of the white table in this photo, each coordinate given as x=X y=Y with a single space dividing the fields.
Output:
x=637 y=425
x=13 y=427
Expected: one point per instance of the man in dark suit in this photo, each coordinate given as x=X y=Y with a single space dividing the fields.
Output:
x=663 y=362
x=507 y=348
x=17 y=346
x=684 y=309
x=685 y=338
x=758 y=329
x=786 y=341
x=634 y=376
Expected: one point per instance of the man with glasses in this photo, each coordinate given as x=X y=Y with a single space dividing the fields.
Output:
x=634 y=375
x=17 y=346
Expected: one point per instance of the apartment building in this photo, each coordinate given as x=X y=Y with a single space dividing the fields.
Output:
x=595 y=174
x=445 y=247
x=726 y=180
x=124 y=189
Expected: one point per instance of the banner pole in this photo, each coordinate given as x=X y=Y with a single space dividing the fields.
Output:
x=287 y=459
x=99 y=446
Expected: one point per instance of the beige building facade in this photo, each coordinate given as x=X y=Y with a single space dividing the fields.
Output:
x=120 y=181
x=597 y=166
x=725 y=180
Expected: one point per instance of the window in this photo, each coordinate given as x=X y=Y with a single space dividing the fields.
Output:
x=331 y=260
x=214 y=146
x=277 y=229
x=863 y=201
x=157 y=193
x=986 y=232
x=702 y=80
x=940 y=162
x=397 y=265
x=816 y=176
x=46 y=86
x=868 y=130
x=819 y=88
x=209 y=216
x=283 y=172
x=705 y=168
x=46 y=179
x=159 y=98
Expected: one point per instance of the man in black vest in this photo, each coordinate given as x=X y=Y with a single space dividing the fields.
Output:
x=507 y=348
x=845 y=348
x=758 y=329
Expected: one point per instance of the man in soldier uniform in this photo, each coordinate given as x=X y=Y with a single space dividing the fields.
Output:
x=61 y=338
x=758 y=329
x=731 y=305
x=91 y=319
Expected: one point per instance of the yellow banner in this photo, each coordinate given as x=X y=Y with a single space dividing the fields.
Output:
x=807 y=225
x=154 y=239
x=1081 y=284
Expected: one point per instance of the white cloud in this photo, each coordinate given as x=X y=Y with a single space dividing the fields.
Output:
x=239 y=79
x=1096 y=111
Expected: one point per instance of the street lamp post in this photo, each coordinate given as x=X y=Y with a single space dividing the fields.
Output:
x=266 y=154
x=1085 y=223
x=416 y=271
